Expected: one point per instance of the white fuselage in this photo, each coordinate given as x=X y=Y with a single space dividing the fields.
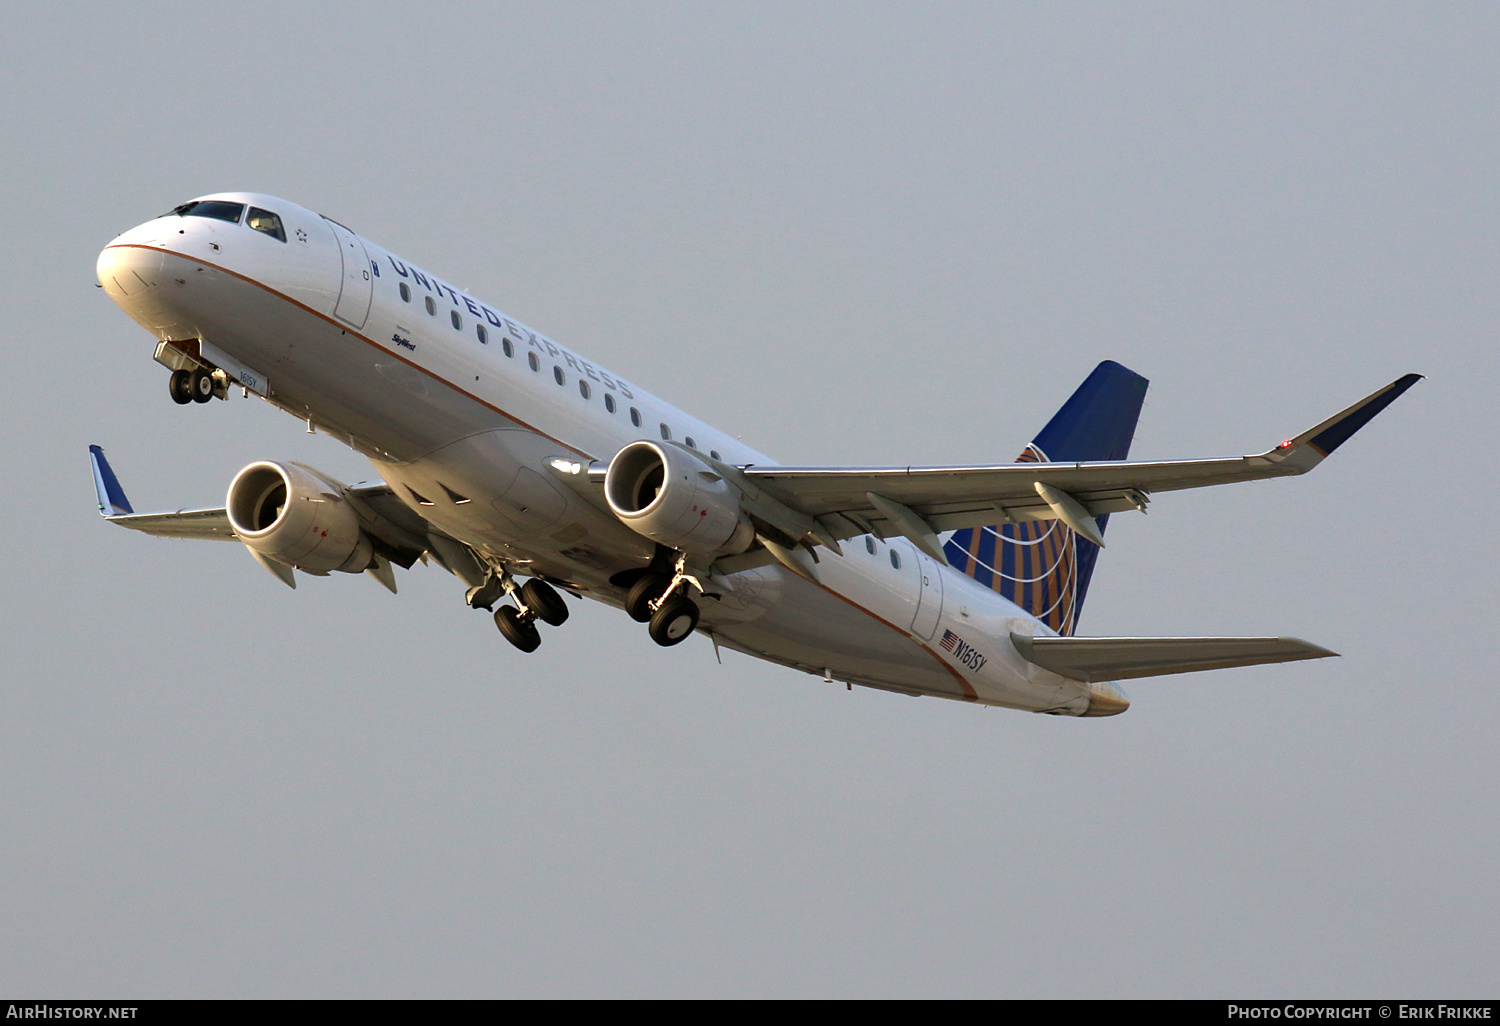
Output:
x=464 y=424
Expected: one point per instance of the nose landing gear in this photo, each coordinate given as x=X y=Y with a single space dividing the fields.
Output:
x=196 y=385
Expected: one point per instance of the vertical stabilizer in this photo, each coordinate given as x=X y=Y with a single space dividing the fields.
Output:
x=1043 y=566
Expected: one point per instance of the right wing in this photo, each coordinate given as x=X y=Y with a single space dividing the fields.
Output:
x=181 y=523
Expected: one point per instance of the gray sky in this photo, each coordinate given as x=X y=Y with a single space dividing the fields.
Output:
x=851 y=233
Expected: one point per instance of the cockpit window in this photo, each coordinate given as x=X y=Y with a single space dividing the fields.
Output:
x=267 y=222
x=211 y=208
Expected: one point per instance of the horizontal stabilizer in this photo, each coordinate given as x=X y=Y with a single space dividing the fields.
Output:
x=1105 y=659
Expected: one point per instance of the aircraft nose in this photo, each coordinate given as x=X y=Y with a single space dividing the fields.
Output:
x=128 y=270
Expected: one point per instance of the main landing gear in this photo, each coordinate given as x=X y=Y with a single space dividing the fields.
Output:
x=535 y=600
x=192 y=386
x=662 y=602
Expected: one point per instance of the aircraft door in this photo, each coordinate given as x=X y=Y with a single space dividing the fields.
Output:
x=929 y=596
x=356 y=287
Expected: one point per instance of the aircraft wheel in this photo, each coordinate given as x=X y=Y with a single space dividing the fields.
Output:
x=642 y=593
x=201 y=385
x=543 y=600
x=518 y=632
x=674 y=621
x=181 y=387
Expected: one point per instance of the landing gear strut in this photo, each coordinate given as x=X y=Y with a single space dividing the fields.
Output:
x=663 y=603
x=535 y=600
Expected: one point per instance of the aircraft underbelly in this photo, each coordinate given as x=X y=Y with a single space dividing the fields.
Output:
x=816 y=629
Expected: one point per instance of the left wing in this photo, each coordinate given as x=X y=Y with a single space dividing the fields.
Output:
x=920 y=502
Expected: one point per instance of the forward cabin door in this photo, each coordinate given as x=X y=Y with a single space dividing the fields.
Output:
x=930 y=596
x=355 y=289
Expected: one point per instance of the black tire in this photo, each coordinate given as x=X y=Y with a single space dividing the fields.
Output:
x=181 y=387
x=641 y=594
x=543 y=600
x=518 y=632
x=201 y=385
x=674 y=621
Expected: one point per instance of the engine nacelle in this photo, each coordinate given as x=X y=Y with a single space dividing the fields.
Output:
x=295 y=516
x=672 y=496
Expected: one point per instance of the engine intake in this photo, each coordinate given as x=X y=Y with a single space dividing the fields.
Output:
x=296 y=516
x=673 y=496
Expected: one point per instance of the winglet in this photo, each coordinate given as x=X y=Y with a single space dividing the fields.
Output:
x=1311 y=447
x=112 y=501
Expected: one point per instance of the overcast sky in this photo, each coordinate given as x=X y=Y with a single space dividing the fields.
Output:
x=851 y=233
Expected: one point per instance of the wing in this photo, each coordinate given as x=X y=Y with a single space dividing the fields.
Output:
x=1106 y=659
x=180 y=523
x=920 y=502
x=398 y=533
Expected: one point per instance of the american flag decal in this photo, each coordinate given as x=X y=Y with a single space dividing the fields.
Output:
x=949 y=640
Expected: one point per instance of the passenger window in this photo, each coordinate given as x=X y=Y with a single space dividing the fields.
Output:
x=267 y=223
x=536 y=364
x=483 y=333
x=506 y=346
x=895 y=559
x=666 y=433
x=869 y=545
x=431 y=306
x=458 y=322
x=609 y=402
x=635 y=416
x=405 y=293
x=557 y=376
x=583 y=388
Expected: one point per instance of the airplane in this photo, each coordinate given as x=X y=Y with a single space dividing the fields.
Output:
x=529 y=472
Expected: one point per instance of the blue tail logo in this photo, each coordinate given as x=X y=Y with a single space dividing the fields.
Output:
x=1043 y=566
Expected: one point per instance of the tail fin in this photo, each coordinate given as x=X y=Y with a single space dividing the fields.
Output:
x=1043 y=566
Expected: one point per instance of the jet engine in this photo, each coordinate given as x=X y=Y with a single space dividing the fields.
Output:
x=673 y=496
x=294 y=515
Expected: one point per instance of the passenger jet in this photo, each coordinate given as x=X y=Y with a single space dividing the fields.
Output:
x=529 y=473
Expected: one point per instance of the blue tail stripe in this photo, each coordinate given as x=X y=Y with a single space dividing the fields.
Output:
x=982 y=572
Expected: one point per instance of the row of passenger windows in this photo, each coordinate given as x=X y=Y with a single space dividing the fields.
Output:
x=870 y=548
x=534 y=362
